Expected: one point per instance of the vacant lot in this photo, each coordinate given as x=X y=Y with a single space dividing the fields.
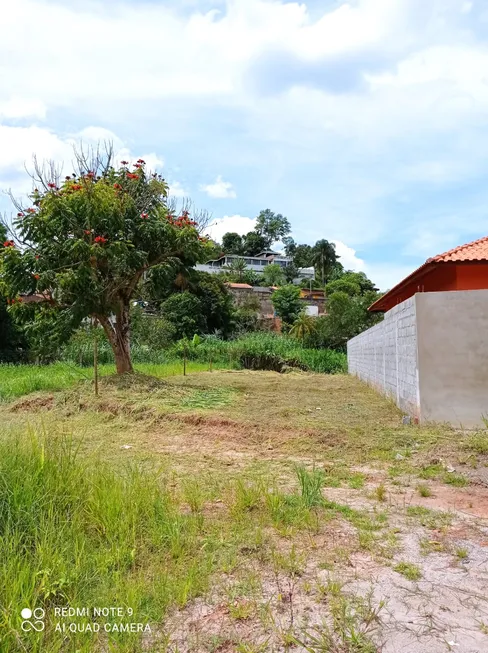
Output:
x=239 y=511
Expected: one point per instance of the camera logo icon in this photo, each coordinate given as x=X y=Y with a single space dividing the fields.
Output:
x=33 y=620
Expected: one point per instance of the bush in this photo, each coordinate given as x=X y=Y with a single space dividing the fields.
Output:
x=287 y=303
x=261 y=350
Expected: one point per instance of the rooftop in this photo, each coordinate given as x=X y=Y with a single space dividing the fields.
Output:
x=239 y=285
x=473 y=252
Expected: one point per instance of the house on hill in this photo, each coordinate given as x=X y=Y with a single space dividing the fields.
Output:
x=255 y=263
x=430 y=353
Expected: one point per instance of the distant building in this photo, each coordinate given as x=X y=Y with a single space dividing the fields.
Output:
x=254 y=263
x=242 y=292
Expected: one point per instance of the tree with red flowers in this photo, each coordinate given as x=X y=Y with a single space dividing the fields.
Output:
x=86 y=241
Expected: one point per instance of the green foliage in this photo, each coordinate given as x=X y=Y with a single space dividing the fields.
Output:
x=360 y=279
x=272 y=226
x=287 y=304
x=324 y=258
x=13 y=346
x=273 y=275
x=312 y=284
x=304 y=326
x=408 y=570
x=151 y=331
x=232 y=243
x=303 y=256
x=185 y=312
x=346 y=317
x=478 y=442
x=80 y=533
x=236 y=270
x=12 y=343
x=217 y=304
x=253 y=243
x=342 y=285
x=311 y=484
x=87 y=242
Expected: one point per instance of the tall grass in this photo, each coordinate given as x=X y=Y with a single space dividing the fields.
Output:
x=228 y=353
x=77 y=533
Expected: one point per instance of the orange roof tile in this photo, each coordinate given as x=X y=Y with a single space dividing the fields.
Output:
x=238 y=285
x=475 y=251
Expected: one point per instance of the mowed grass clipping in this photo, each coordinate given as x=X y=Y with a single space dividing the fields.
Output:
x=19 y=380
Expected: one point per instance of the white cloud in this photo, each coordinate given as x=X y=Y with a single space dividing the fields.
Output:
x=348 y=257
x=18 y=107
x=20 y=144
x=151 y=64
x=219 y=190
x=230 y=223
x=177 y=190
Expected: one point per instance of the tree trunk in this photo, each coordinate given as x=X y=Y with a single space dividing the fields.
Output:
x=119 y=338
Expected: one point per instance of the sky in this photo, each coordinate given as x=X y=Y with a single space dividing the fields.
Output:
x=364 y=122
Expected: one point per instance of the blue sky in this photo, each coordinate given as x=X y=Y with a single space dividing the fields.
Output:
x=365 y=122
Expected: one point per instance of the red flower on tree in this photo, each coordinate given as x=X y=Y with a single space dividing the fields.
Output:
x=37 y=257
x=141 y=161
x=20 y=215
x=131 y=175
x=36 y=276
x=144 y=216
x=100 y=240
x=9 y=243
x=31 y=210
x=51 y=185
x=117 y=186
x=124 y=163
x=76 y=187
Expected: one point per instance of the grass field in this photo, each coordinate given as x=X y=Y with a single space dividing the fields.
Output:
x=236 y=511
x=19 y=380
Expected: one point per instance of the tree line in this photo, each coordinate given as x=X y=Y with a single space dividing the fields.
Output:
x=104 y=244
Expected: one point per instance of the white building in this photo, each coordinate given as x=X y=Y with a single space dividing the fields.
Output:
x=255 y=263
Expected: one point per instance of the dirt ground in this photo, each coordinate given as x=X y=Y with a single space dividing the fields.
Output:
x=393 y=556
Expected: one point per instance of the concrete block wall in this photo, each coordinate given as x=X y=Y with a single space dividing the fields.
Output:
x=385 y=357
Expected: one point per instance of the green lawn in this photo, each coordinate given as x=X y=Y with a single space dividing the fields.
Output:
x=19 y=380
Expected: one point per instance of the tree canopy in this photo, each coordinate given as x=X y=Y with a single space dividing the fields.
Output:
x=272 y=226
x=85 y=242
x=287 y=303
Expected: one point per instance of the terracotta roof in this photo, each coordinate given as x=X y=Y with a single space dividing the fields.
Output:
x=238 y=285
x=475 y=251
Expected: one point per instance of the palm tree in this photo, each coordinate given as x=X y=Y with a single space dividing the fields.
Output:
x=237 y=267
x=324 y=258
x=303 y=326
